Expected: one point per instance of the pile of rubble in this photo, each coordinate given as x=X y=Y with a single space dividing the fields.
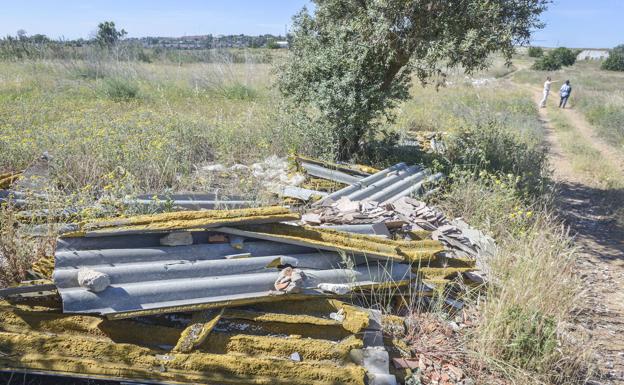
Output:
x=245 y=295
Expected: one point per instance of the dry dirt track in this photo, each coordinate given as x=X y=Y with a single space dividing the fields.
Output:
x=588 y=211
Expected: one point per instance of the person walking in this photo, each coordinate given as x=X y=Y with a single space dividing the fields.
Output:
x=547 y=84
x=564 y=92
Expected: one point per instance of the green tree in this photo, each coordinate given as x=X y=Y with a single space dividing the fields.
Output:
x=618 y=49
x=352 y=61
x=547 y=63
x=39 y=39
x=108 y=35
x=565 y=56
x=272 y=44
x=615 y=61
x=555 y=59
x=536 y=52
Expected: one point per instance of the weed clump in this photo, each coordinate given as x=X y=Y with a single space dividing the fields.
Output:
x=239 y=91
x=496 y=149
x=17 y=250
x=120 y=89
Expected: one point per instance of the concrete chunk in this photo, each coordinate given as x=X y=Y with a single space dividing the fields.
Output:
x=184 y=238
x=93 y=280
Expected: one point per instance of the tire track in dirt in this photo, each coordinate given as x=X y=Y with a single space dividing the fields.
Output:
x=589 y=212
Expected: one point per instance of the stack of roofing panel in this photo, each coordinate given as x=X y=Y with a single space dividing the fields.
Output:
x=387 y=185
x=213 y=266
x=147 y=278
x=283 y=343
x=216 y=271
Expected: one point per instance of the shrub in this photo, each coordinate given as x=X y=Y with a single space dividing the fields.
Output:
x=144 y=57
x=536 y=52
x=239 y=91
x=547 y=63
x=498 y=150
x=618 y=49
x=565 y=56
x=120 y=89
x=615 y=62
x=555 y=59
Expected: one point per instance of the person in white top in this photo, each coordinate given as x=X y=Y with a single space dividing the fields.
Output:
x=547 y=84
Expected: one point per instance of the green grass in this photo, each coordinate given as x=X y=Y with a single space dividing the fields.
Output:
x=155 y=121
x=598 y=94
x=585 y=159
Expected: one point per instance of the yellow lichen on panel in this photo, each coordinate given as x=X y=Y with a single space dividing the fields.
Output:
x=278 y=317
x=197 y=332
x=281 y=347
x=322 y=184
x=7 y=179
x=409 y=251
x=175 y=218
x=323 y=332
x=442 y=272
x=44 y=267
x=419 y=234
x=75 y=354
x=357 y=168
x=393 y=324
x=22 y=318
x=355 y=319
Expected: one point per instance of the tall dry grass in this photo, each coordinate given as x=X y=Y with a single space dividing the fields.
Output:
x=525 y=314
x=18 y=249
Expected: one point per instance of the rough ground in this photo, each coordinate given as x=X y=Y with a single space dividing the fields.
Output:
x=589 y=211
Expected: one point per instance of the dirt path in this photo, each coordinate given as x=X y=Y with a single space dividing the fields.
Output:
x=587 y=133
x=589 y=212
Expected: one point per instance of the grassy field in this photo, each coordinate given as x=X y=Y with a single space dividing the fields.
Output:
x=154 y=125
x=156 y=121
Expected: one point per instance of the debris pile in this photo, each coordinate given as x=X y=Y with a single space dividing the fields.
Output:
x=243 y=295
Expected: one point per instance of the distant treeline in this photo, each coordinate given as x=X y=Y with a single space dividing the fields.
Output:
x=189 y=49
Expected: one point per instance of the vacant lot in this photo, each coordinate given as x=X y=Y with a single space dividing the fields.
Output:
x=149 y=127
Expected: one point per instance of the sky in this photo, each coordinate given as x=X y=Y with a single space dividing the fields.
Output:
x=571 y=23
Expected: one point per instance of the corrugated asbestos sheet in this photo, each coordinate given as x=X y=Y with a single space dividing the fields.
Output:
x=149 y=278
x=387 y=185
x=275 y=343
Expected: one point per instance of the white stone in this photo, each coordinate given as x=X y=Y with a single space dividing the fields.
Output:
x=337 y=288
x=345 y=205
x=93 y=280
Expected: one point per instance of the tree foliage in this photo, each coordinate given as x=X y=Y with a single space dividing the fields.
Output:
x=565 y=56
x=618 y=49
x=556 y=59
x=535 y=52
x=108 y=35
x=352 y=61
x=615 y=61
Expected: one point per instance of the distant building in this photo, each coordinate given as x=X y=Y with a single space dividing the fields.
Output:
x=210 y=41
x=593 y=54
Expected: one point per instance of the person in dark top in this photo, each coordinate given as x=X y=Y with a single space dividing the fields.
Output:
x=564 y=92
